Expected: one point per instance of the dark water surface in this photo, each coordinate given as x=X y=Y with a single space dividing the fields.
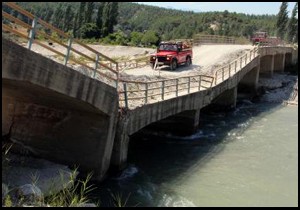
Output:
x=246 y=157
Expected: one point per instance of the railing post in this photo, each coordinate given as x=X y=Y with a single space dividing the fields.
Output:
x=189 y=84
x=163 y=90
x=223 y=72
x=68 y=51
x=216 y=77
x=250 y=54
x=199 y=83
x=146 y=93
x=32 y=32
x=235 y=64
x=229 y=67
x=125 y=95
x=176 y=87
x=241 y=59
x=117 y=81
x=96 y=64
x=245 y=59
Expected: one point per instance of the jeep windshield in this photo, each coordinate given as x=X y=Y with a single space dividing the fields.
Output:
x=168 y=47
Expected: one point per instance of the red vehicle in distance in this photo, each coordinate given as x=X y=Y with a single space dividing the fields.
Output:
x=259 y=37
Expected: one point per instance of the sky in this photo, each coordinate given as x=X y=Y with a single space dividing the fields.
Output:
x=256 y=8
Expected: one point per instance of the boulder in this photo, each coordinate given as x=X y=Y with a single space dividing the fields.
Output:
x=29 y=193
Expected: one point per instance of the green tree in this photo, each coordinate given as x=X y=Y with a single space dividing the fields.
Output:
x=105 y=18
x=136 y=38
x=58 y=16
x=282 y=19
x=293 y=25
x=89 y=30
x=68 y=17
x=113 y=16
x=75 y=25
x=150 y=38
x=99 y=21
x=79 y=19
x=89 y=12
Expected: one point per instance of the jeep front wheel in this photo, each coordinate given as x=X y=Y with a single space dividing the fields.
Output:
x=188 y=61
x=173 y=65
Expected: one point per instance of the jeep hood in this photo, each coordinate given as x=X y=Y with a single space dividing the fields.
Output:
x=165 y=53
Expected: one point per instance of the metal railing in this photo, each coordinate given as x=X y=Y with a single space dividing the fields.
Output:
x=202 y=39
x=132 y=63
x=99 y=68
x=153 y=91
x=236 y=65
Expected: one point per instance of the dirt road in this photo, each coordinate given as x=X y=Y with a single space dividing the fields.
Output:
x=206 y=58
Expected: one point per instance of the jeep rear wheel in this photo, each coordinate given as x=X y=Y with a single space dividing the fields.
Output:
x=173 y=65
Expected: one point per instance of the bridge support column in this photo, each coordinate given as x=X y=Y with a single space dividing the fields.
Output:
x=185 y=123
x=267 y=65
x=182 y=124
x=120 y=148
x=288 y=59
x=279 y=62
x=250 y=81
x=226 y=100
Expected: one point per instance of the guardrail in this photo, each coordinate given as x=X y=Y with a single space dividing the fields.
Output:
x=201 y=39
x=132 y=63
x=153 y=91
x=111 y=73
x=236 y=65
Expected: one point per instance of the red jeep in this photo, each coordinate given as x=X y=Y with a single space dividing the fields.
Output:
x=259 y=37
x=172 y=54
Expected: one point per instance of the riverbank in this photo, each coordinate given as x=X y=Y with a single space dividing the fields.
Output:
x=34 y=182
x=281 y=88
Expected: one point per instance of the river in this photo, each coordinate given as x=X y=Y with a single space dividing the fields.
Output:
x=246 y=157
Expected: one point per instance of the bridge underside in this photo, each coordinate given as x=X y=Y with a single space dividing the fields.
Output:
x=55 y=126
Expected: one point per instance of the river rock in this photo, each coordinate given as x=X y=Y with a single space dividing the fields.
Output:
x=29 y=193
x=49 y=177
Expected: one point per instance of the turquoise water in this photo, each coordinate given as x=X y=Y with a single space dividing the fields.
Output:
x=247 y=157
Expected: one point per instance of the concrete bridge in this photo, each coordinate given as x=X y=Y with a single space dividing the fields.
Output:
x=65 y=116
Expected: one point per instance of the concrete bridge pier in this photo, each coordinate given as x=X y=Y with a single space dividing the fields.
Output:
x=279 y=62
x=288 y=59
x=249 y=83
x=120 y=148
x=267 y=65
x=226 y=100
x=182 y=124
